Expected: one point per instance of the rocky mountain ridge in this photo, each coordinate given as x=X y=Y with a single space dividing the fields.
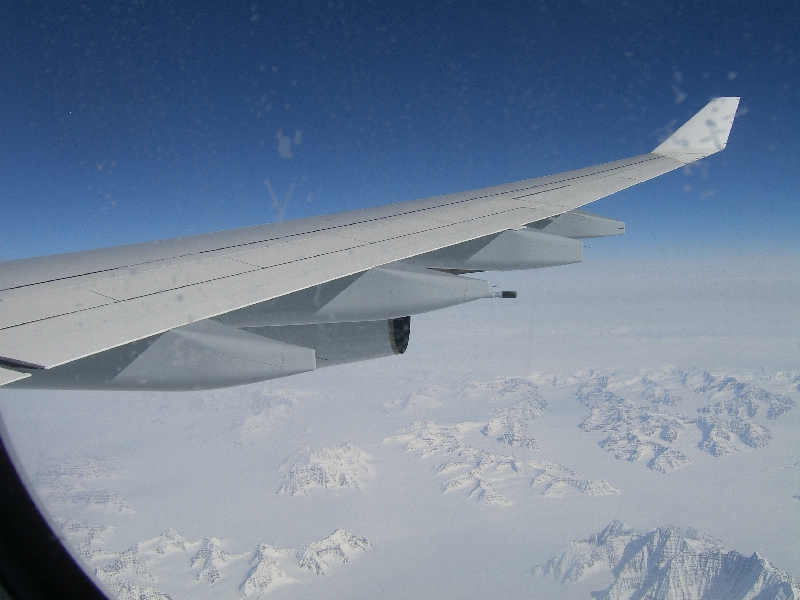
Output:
x=480 y=471
x=326 y=468
x=727 y=417
x=136 y=572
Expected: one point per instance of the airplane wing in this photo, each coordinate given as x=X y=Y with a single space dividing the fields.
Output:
x=260 y=302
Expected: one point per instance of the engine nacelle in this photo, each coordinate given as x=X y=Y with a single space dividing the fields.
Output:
x=579 y=224
x=202 y=355
x=507 y=251
x=381 y=293
x=340 y=343
x=208 y=354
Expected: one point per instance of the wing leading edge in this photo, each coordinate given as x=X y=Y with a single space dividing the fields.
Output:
x=65 y=308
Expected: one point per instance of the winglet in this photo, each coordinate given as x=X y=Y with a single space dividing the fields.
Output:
x=703 y=134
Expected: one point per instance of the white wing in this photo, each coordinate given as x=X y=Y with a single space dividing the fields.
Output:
x=59 y=309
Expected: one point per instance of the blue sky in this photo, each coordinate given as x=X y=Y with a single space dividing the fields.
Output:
x=143 y=120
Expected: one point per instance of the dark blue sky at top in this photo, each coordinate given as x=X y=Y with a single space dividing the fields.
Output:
x=131 y=121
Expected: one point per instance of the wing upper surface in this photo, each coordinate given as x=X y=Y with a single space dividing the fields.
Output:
x=57 y=309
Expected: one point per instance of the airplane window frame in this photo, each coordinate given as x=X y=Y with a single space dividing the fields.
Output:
x=34 y=564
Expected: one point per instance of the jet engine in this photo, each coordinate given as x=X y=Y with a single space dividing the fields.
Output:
x=209 y=354
x=340 y=343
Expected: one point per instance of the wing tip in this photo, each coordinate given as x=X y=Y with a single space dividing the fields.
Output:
x=704 y=134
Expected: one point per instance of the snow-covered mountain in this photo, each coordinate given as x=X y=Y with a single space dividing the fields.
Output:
x=169 y=566
x=727 y=416
x=555 y=480
x=480 y=471
x=634 y=432
x=268 y=411
x=476 y=468
x=506 y=389
x=327 y=468
x=423 y=399
x=473 y=465
x=77 y=485
x=340 y=545
x=509 y=425
x=668 y=563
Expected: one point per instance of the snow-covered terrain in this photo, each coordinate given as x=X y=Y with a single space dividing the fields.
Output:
x=445 y=467
x=481 y=452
